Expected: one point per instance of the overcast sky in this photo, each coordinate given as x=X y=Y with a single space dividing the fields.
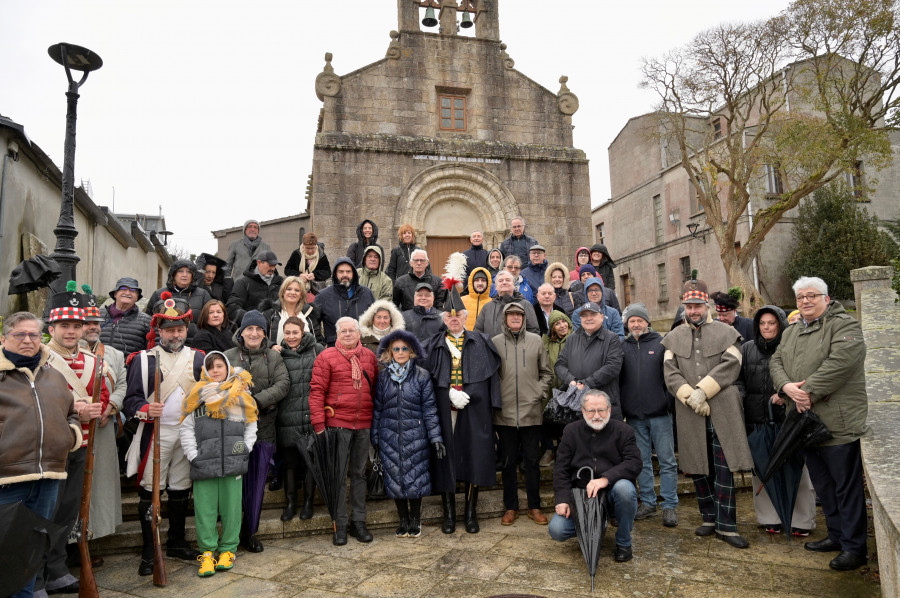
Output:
x=207 y=109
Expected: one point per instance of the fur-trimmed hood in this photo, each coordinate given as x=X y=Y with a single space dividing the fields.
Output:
x=367 y=319
x=562 y=268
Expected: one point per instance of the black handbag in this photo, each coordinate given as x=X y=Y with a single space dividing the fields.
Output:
x=375 y=480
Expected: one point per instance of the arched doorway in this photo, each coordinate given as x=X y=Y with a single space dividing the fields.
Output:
x=448 y=201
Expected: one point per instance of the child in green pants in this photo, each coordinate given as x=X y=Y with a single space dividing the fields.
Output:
x=218 y=430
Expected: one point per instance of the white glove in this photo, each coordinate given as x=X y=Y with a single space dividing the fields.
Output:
x=458 y=398
x=697 y=402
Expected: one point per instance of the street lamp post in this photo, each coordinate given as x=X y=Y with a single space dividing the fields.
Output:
x=73 y=58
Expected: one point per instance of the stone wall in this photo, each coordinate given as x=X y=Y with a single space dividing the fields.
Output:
x=881 y=446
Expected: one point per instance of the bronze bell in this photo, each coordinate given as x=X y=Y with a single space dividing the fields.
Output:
x=466 y=20
x=429 y=20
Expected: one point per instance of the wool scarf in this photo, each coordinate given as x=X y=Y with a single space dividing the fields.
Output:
x=353 y=356
x=398 y=372
x=229 y=400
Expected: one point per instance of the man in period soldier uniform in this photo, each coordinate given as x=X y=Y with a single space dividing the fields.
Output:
x=701 y=363
x=79 y=367
x=180 y=368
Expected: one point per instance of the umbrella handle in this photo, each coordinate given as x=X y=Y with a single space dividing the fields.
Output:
x=578 y=473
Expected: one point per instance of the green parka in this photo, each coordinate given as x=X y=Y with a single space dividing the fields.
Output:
x=830 y=355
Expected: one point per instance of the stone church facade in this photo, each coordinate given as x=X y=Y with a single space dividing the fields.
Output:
x=444 y=134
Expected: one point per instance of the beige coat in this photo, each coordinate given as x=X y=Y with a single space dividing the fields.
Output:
x=708 y=357
x=524 y=378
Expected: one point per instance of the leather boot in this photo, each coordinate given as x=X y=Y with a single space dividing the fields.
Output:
x=146 y=565
x=290 y=494
x=403 y=514
x=415 y=517
x=176 y=546
x=448 y=501
x=472 y=509
x=309 y=495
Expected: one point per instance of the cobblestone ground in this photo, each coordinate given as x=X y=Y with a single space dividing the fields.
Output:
x=520 y=559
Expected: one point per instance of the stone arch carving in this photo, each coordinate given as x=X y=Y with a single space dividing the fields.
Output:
x=479 y=189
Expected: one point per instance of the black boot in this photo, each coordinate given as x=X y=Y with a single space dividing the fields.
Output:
x=415 y=517
x=403 y=513
x=309 y=495
x=176 y=546
x=448 y=501
x=290 y=494
x=249 y=540
x=146 y=566
x=359 y=531
x=340 y=535
x=472 y=508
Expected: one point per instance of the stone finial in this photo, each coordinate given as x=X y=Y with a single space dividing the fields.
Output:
x=565 y=99
x=508 y=63
x=327 y=83
x=393 y=51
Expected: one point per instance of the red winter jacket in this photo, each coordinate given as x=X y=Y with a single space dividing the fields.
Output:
x=332 y=387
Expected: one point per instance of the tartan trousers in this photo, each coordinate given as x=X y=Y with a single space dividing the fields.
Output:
x=715 y=492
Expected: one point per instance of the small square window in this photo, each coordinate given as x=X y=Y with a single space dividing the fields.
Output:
x=453 y=112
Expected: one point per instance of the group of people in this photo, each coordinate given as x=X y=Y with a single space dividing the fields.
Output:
x=446 y=378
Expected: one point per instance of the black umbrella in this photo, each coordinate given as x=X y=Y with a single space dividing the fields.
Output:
x=591 y=517
x=326 y=455
x=25 y=540
x=32 y=274
x=798 y=431
x=784 y=483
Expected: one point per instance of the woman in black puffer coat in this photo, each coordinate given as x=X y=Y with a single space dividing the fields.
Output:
x=405 y=427
x=298 y=350
x=762 y=405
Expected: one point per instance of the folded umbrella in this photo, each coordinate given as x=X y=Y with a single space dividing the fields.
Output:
x=783 y=485
x=255 y=483
x=799 y=430
x=32 y=274
x=25 y=540
x=327 y=456
x=591 y=516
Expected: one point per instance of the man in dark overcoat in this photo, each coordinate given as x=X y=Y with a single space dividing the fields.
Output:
x=464 y=367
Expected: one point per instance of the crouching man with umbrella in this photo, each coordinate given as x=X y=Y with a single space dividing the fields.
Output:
x=819 y=365
x=608 y=448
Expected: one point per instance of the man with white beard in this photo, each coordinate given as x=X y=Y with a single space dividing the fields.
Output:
x=608 y=448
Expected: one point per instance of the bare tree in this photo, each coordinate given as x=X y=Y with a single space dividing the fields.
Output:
x=802 y=97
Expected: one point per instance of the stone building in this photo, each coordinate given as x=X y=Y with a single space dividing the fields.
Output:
x=653 y=203
x=445 y=134
x=30 y=199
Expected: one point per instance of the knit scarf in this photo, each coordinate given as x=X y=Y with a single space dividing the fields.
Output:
x=23 y=361
x=251 y=245
x=398 y=372
x=224 y=400
x=353 y=356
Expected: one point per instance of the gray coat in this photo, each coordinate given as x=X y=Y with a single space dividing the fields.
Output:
x=221 y=450
x=708 y=357
x=127 y=335
x=524 y=378
x=270 y=384
x=490 y=319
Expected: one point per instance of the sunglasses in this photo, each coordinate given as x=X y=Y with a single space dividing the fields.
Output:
x=400 y=349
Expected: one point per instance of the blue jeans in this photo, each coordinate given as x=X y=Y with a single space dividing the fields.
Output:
x=623 y=502
x=40 y=497
x=657 y=432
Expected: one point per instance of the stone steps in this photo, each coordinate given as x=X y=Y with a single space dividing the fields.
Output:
x=379 y=513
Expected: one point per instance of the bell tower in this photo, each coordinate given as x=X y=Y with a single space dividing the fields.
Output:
x=448 y=15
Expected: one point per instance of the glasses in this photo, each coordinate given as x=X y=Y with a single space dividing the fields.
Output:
x=127 y=289
x=513 y=268
x=596 y=411
x=21 y=336
x=400 y=349
x=810 y=297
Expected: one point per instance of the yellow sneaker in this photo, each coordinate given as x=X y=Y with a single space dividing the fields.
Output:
x=207 y=564
x=225 y=562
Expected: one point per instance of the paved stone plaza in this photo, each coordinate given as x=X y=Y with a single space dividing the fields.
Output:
x=520 y=559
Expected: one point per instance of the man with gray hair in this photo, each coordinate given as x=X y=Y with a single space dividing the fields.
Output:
x=517 y=243
x=405 y=286
x=607 y=447
x=340 y=396
x=490 y=319
x=513 y=265
x=820 y=366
